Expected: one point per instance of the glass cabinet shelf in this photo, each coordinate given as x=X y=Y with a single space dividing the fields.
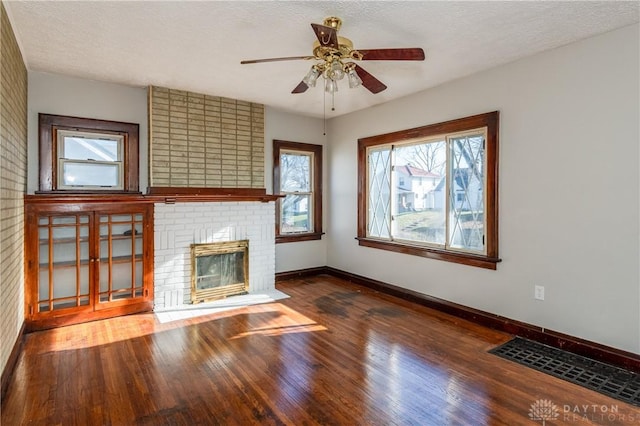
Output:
x=71 y=240
x=73 y=263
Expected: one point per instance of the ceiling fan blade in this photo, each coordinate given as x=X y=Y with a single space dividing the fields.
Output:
x=370 y=82
x=286 y=58
x=402 y=54
x=327 y=36
x=300 y=88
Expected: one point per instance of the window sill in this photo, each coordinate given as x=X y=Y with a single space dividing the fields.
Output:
x=292 y=238
x=448 y=256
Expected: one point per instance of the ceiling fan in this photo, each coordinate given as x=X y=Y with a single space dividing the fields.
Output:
x=335 y=55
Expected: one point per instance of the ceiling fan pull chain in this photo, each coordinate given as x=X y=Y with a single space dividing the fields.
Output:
x=324 y=113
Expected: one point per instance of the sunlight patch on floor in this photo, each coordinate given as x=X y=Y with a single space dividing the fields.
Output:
x=235 y=302
x=280 y=330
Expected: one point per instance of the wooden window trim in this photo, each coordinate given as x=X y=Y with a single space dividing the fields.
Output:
x=49 y=124
x=316 y=233
x=491 y=122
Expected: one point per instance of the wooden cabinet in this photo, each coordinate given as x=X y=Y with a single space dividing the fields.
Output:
x=87 y=260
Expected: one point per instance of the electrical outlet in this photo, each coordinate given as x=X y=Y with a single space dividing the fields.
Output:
x=538 y=292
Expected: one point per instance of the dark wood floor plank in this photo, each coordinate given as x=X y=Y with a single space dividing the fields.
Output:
x=334 y=353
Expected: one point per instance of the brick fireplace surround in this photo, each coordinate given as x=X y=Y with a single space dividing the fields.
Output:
x=179 y=225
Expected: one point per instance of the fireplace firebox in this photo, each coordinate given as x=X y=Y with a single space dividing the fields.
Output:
x=219 y=270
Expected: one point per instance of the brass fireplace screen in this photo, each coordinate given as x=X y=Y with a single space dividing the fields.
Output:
x=219 y=270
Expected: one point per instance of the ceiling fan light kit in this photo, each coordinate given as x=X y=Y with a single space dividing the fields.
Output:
x=332 y=72
x=335 y=55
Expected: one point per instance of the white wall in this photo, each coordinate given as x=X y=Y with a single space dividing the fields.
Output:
x=284 y=126
x=63 y=95
x=569 y=190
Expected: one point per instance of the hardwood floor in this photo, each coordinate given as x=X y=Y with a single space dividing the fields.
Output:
x=334 y=354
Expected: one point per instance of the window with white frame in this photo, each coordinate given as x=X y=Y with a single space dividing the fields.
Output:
x=454 y=216
x=88 y=160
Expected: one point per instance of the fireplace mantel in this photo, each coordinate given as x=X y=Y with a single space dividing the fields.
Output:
x=167 y=195
x=171 y=194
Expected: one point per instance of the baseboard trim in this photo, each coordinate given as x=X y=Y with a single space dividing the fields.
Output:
x=7 y=372
x=556 y=339
x=301 y=273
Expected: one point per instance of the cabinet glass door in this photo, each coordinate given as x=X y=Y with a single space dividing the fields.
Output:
x=121 y=269
x=63 y=262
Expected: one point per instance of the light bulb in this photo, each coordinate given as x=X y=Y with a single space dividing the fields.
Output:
x=330 y=86
x=311 y=77
x=354 y=79
x=337 y=72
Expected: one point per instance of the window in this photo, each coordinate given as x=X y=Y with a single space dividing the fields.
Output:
x=87 y=155
x=89 y=160
x=453 y=219
x=297 y=174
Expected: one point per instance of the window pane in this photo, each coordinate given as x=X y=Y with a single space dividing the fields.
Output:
x=296 y=213
x=295 y=172
x=80 y=148
x=90 y=174
x=420 y=192
x=467 y=193
x=379 y=192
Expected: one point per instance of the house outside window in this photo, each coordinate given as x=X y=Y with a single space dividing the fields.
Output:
x=454 y=216
x=298 y=177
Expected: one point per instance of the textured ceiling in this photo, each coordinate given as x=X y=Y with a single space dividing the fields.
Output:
x=198 y=46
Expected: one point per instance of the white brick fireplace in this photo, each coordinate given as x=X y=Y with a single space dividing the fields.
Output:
x=179 y=225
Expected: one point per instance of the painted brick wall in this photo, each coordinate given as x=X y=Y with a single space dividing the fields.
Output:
x=205 y=141
x=177 y=226
x=13 y=182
